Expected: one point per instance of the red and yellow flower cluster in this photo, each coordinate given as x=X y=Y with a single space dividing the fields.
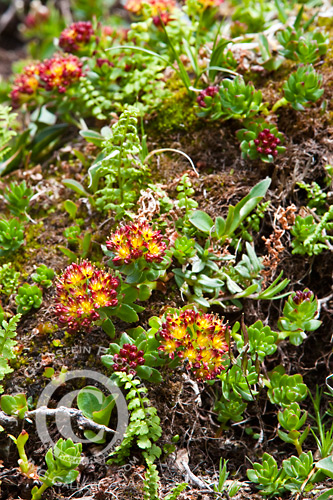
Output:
x=136 y=240
x=25 y=84
x=197 y=338
x=57 y=73
x=60 y=72
x=159 y=9
x=81 y=291
x=74 y=38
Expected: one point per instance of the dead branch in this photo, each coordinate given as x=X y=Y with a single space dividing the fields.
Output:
x=73 y=413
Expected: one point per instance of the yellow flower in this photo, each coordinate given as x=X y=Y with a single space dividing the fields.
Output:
x=179 y=332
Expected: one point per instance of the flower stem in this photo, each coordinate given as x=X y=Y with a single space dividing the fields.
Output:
x=38 y=494
x=281 y=102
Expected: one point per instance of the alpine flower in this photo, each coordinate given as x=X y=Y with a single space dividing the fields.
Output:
x=304 y=296
x=128 y=359
x=25 y=85
x=60 y=72
x=74 y=38
x=81 y=291
x=136 y=240
x=197 y=338
x=210 y=91
x=266 y=142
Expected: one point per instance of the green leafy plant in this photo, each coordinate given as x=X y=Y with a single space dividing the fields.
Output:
x=260 y=140
x=311 y=238
x=7 y=119
x=28 y=297
x=151 y=485
x=292 y=419
x=323 y=437
x=185 y=191
x=137 y=352
x=18 y=197
x=11 y=236
x=298 y=316
x=284 y=389
x=223 y=229
x=9 y=279
x=238 y=386
x=295 y=472
x=7 y=344
x=121 y=166
x=235 y=99
x=43 y=276
x=269 y=60
x=260 y=341
x=72 y=234
x=267 y=476
x=77 y=241
x=301 y=46
x=14 y=405
x=230 y=407
x=70 y=206
x=315 y=195
x=201 y=278
x=298 y=470
x=27 y=468
x=61 y=464
x=94 y=405
x=184 y=249
x=301 y=88
x=255 y=16
x=144 y=426
x=232 y=489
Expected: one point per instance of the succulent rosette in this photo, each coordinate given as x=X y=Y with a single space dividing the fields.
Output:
x=261 y=140
x=234 y=99
x=299 y=316
x=305 y=47
x=82 y=290
x=303 y=87
x=198 y=339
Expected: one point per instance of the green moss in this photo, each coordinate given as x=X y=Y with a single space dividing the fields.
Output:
x=177 y=113
x=23 y=255
x=325 y=22
x=31 y=233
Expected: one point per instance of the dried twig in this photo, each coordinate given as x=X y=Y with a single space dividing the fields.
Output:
x=81 y=420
